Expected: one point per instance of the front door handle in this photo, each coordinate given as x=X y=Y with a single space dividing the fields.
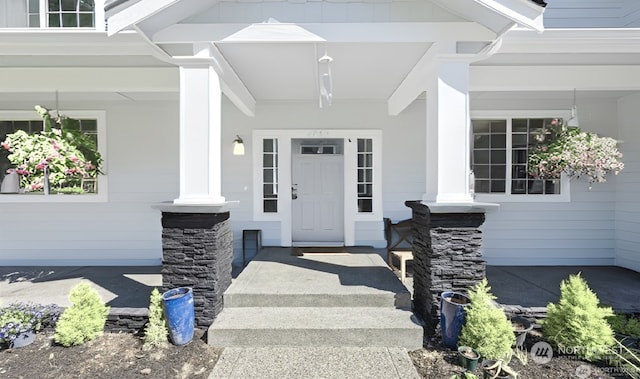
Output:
x=294 y=191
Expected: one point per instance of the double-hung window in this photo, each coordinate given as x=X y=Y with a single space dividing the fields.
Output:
x=91 y=188
x=501 y=147
x=61 y=13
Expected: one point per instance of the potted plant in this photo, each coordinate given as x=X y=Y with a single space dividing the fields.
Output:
x=20 y=321
x=521 y=326
x=468 y=358
x=569 y=150
x=59 y=156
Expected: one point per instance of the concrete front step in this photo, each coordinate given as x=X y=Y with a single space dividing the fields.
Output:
x=305 y=326
x=383 y=299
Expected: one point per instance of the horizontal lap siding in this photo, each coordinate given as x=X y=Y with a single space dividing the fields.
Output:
x=142 y=168
x=591 y=13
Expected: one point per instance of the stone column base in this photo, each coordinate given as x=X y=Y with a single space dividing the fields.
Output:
x=197 y=251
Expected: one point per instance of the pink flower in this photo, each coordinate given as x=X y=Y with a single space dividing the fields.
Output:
x=73 y=158
x=5 y=145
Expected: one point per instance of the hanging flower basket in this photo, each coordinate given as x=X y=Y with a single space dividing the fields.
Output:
x=59 y=156
x=576 y=153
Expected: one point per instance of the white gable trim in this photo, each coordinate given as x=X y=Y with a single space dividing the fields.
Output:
x=521 y=12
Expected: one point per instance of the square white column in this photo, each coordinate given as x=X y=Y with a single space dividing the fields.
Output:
x=448 y=134
x=200 y=136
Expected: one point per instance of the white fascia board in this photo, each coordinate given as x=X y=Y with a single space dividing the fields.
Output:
x=136 y=13
x=144 y=10
x=554 y=78
x=409 y=32
x=523 y=12
x=83 y=79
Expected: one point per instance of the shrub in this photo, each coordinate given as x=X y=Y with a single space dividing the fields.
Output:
x=578 y=324
x=487 y=328
x=84 y=320
x=624 y=324
x=155 y=333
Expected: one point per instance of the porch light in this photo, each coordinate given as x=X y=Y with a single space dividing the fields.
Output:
x=324 y=80
x=238 y=146
x=573 y=121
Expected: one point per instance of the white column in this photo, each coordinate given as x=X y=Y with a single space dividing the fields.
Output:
x=448 y=131
x=200 y=136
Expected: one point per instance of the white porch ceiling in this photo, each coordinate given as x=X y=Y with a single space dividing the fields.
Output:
x=288 y=71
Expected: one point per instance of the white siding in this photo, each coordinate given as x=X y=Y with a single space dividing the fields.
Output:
x=142 y=168
x=579 y=232
x=592 y=13
x=628 y=207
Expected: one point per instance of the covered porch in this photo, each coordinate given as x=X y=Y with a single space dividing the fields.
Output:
x=127 y=288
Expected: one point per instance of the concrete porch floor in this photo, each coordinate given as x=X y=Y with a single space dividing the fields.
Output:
x=129 y=287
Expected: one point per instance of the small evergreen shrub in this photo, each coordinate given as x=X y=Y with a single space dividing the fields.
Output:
x=155 y=333
x=578 y=324
x=625 y=324
x=487 y=328
x=84 y=320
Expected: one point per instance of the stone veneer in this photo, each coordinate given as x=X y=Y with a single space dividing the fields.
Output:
x=447 y=257
x=197 y=251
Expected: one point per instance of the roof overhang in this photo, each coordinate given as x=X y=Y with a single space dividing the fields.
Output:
x=498 y=15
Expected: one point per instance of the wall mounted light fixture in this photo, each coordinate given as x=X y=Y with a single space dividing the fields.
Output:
x=238 y=146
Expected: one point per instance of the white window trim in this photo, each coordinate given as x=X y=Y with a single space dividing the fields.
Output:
x=103 y=185
x=98 y=14
x=351 y=214
x=565 y=187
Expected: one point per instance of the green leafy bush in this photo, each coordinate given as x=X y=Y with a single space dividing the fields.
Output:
x=578 y=324
x=624 y=324
x=155 y=333
x=84 y=320
x=487 y=328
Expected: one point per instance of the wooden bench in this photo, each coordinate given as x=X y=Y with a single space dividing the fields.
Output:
x=399 y=238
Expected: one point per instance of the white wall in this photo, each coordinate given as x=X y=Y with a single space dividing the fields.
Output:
x=579 y=232
x=142 y=169
x=592 y=13
x=628 y=207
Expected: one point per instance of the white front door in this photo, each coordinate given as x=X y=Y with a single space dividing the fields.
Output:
x=317 y=192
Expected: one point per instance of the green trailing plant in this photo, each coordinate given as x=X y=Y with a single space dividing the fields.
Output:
x=487 y=328
x=498 y=368
x=84 y=320
x=578 y=325
x=155 y=333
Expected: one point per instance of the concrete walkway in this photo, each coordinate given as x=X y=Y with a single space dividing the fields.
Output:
x=316 y=316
